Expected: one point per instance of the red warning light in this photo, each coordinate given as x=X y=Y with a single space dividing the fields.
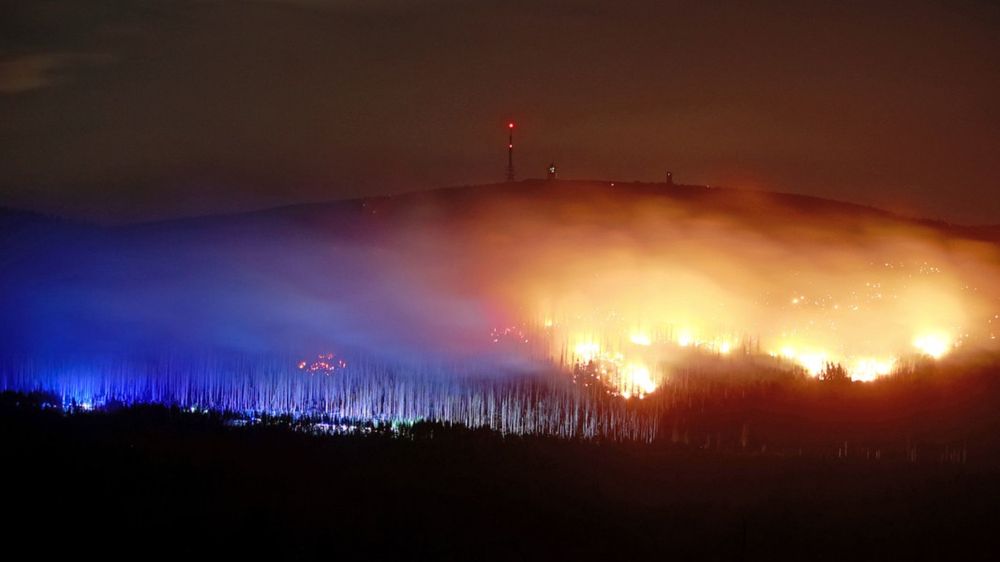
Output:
x=510 y=125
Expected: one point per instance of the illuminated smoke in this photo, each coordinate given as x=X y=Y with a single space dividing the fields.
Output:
x=646 y=275
x=617 y=289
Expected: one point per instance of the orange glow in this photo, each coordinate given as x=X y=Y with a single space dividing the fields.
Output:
x=934 y=345
x=636 y=380
x=870 y=369
x=636 y=276
x=685 y=338
x=639 y=338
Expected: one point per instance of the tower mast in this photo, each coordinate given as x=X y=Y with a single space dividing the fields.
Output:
x=510 y=151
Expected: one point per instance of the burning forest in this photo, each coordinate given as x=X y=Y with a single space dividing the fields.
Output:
x=735 y=293
x=588 y=310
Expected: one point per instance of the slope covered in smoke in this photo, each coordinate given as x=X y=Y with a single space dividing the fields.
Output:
x=433 y=274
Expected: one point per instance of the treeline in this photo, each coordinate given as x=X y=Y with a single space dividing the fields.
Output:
x=931 y=412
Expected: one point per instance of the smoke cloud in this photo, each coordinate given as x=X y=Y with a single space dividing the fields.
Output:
x=514 y=275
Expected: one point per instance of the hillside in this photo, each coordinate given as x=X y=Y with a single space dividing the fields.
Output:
x=487 y=254
x=760 y=207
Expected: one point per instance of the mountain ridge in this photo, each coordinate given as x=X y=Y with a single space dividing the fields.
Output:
x=710 y=198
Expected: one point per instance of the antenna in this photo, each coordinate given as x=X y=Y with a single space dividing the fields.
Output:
x=510 y=151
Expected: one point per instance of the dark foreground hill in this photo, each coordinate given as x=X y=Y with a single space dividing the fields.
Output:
x=154 y=480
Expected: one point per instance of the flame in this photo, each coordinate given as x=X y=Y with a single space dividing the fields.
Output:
x=868 y=369
x=623 y=378
x=630 y=279
x=586 y=351
x=813 y=362
x=637 y=376
x=685 y=338
x=639 y=338
x=935 y=345
x=625 y=370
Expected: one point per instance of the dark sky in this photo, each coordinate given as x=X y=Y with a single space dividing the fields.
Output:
x=117 y=110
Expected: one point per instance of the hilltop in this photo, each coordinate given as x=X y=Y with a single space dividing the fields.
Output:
x=755 y=207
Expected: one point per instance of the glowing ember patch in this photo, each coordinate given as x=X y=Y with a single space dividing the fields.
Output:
x=324 y=363
x=509 y=334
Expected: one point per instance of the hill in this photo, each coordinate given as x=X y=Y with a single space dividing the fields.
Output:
x=338 y=272
x=457 y=201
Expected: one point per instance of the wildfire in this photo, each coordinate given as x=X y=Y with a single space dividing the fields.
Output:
x=636 y=377
x=625 y=289
x=813 y=361
x=870 y=369
x=661 y=285
x=609 y=369
x=624 y=370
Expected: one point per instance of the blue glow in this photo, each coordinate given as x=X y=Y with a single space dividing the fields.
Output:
x=393 y=395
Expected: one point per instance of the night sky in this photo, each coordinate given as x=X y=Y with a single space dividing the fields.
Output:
x=118 y=111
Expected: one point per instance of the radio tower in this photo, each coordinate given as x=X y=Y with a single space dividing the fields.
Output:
x=510 y=151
